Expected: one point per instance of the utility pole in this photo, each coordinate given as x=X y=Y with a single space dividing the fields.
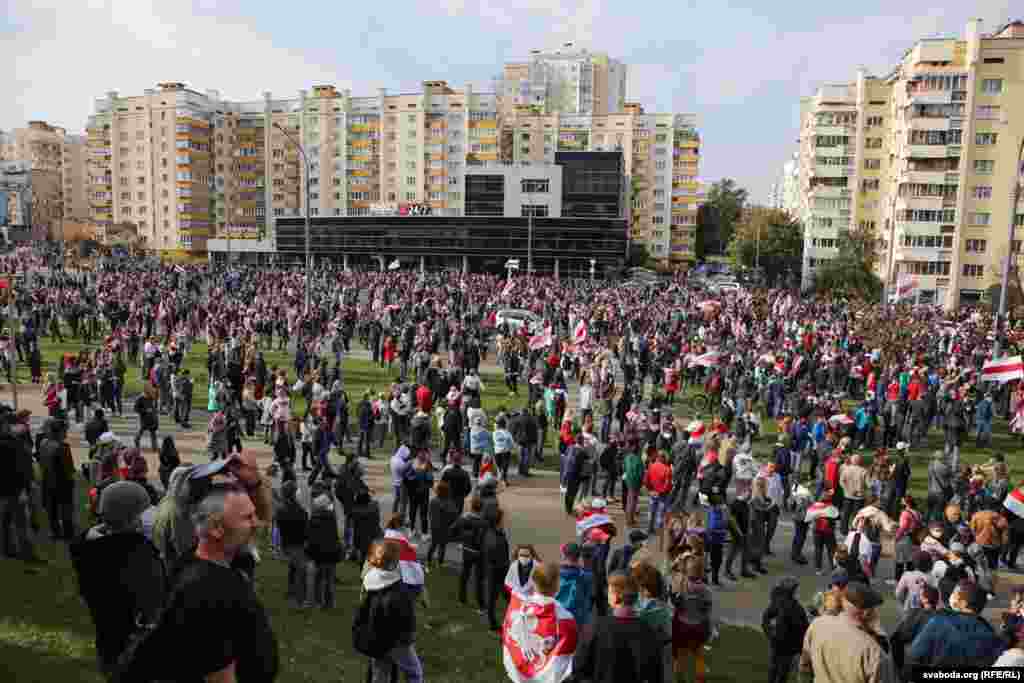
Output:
x=1008 y=261
x=305 y=160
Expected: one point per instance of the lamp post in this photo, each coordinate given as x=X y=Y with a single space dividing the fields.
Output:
x=305 y=160
x=1005 y=284
x=593 y=264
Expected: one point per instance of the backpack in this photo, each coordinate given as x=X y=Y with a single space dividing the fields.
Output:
x=365 y=638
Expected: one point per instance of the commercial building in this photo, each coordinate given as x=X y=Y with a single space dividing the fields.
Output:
x=562 y=246
x=927 y=158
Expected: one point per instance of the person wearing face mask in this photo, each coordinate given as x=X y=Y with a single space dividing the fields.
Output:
x=519 y=579
x=958 y=637
x=120 y=575
x=844 y=648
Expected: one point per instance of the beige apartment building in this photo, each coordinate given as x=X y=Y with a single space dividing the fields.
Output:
x=928 y=157
x=58 y=178
x=195 y=171
x=567 y=80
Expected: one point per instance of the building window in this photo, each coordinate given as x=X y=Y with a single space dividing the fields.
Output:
x=537 y=210
x=992 y=86
x=982 y=192
x=985 y=138
x=978 y=246
x=535 y=185
x=984 y=166
x=872 y=164
x=873 y=143
x=869 y=184
x=979 y=218
x=988 y=112
x=873 y=121
x=410 y=196
x=973 y=270
x=314 y=211
x=278 y=212
x=410 y=180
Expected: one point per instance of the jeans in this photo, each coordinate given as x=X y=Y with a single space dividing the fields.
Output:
x=851 y=506
x=472 y=564
x=402 y=658
x=418 y=502
x=14 y=527
x=779 y=667
x=152 y=436
x=495 y=588
x=606 y=427
x=182 y=408
x=323 y=583
x=525 y=457
x=632 y=497
x=799 y=538
x=363 y=447
x=658 y=506
x=401 y=499
x=58 y=507
x=439 y=547
x=738 y=548
x=822 y=542
x=300 y=587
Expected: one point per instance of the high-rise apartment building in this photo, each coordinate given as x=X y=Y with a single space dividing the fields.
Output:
x=928 y=158
x=568 y=80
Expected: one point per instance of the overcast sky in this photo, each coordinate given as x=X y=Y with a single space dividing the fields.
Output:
x=740 y=66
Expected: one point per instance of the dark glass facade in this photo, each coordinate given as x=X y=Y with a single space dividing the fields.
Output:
x=485 y=241
x=485 y=195
x=592 y=184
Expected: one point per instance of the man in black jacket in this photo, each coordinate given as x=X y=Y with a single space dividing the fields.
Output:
x=120 y=574
x=469 y=531
x=495 y=553
x=785 y=623
x=15 y=485
x=621 y=646
x=96 y=426
x=524 y=431
x=58 y=478
x=913 y=622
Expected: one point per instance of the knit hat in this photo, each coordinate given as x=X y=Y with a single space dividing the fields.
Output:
x=122 y=503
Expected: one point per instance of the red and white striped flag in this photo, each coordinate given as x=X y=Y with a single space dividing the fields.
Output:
x=1003 y=370
x=707 y=360
x=906 y=288
x=538 y=639
x=542 y=340
x=408 y=561
x=579 y=334
x=509 y=286
x=1015 y=502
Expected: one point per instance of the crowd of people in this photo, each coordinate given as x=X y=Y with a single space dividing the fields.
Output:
x=855 y=397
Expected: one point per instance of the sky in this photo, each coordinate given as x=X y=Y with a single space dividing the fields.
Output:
x=740 y=67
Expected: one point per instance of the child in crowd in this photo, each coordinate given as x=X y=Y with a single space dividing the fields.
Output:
x=691 y=624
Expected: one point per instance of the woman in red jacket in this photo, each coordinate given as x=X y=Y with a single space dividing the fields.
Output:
x=389 y=351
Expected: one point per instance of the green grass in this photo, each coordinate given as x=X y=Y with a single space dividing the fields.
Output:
x=46 y=633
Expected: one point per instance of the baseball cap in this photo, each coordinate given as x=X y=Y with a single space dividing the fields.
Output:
x=862 y=595
x=212 y=468
x=122 y=503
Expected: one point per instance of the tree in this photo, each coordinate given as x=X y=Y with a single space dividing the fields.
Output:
x=781 y=243
x=851 y=272
x=717 y=217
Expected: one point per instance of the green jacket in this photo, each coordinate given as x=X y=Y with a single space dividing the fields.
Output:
x=633 y=471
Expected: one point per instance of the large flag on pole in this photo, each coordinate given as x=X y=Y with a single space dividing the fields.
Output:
x=542 y=340
x=706 y=360
x=509 y=286
x=394 y=265
x=579 y=334
x=538 y=639
x=1003 y=370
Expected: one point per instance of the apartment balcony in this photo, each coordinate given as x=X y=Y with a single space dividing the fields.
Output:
x=925 y=177
x=929 y=123
x=926 y=151
x=837 y=151
x=827 y=191
x=829 y=171
x=930 y=97
x=923 y=203
x=850 y=130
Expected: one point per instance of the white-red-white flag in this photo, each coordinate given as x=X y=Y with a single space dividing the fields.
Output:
x=509 y=286
x=706 y=360
x=542 y=340
x=539 y=640
x=1003 y=370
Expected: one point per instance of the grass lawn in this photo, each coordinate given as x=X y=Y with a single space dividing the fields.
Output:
x=46 y=633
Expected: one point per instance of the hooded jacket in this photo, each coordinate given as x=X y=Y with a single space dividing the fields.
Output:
x=122 y=580
x=785 y=621
x=955 y=639
x=576 y=591
x=390 y=606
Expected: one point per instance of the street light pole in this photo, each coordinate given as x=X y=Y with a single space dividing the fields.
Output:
x=305 y=160
x=1009 y=247
x=757 y=248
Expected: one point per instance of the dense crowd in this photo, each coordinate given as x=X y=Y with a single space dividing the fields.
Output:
x=656 y=397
